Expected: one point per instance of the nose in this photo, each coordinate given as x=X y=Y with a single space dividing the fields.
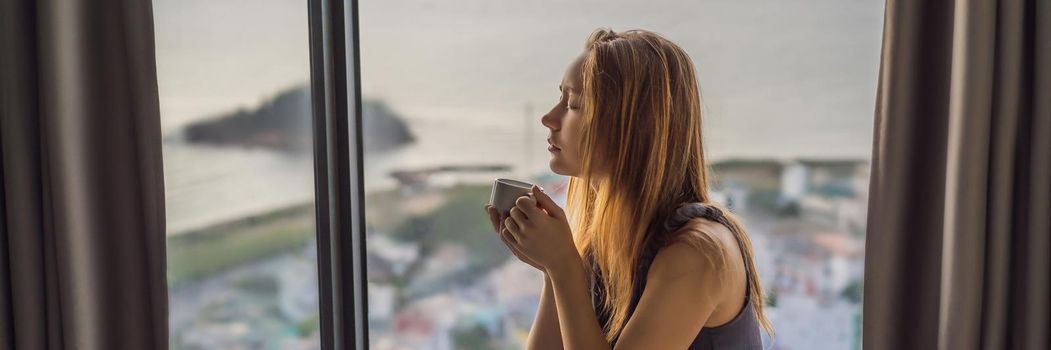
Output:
x=553 y=119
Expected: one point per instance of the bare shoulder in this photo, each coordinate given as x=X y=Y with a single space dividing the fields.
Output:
x=700 y=268
x=699 y=250
x=684 y=291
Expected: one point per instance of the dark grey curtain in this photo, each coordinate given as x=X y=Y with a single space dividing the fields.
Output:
x=959 y=232
x=82 y=210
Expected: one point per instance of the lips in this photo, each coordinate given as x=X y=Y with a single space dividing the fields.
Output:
x=553 y=145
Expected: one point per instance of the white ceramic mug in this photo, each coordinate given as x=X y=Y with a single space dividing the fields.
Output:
x=506 y=192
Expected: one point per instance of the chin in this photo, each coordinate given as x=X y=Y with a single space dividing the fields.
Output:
x=560 y=169
x=556 y=167
x=556 y=170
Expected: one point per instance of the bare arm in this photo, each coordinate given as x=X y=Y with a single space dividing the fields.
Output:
x=682 y=288
x=576 y=317
x=545 y=333
x=681 y=293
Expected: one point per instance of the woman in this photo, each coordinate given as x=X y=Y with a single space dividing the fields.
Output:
x=647 y=261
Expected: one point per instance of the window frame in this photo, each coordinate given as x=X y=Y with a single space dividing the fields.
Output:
x=338 y=173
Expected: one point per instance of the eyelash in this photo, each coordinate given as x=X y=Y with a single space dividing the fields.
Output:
x=567 y=102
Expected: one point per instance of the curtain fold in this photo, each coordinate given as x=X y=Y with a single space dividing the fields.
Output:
x=82 y=231
x=958 y=228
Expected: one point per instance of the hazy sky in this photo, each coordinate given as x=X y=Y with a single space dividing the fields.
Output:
x=793 y=76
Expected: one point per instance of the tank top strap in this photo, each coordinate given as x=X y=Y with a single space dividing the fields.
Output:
x=682 y=215
x=693 y=210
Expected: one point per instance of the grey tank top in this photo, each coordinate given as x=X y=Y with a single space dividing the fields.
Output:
x=742 y=332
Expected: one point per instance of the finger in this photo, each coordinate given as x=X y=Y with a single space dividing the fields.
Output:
x=513 y=247
x=512 y=226
x=528 y=205
x=501 y=221
x=494 y=217
x=507 y=237
x=519 y=216
x=509 y=241
x=547 y=203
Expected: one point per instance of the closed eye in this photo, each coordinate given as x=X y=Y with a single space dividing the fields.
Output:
x=562 y=98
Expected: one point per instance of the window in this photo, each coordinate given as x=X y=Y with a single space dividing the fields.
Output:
x=788 y=92
x=452 y=96
x=235 y=108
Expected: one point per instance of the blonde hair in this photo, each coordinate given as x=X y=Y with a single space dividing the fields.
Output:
x=642 y=157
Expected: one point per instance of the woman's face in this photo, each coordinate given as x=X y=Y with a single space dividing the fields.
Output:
x=564 y=121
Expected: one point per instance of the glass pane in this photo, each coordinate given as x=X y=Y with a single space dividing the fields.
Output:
x=235 y=110
x=788 y=91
